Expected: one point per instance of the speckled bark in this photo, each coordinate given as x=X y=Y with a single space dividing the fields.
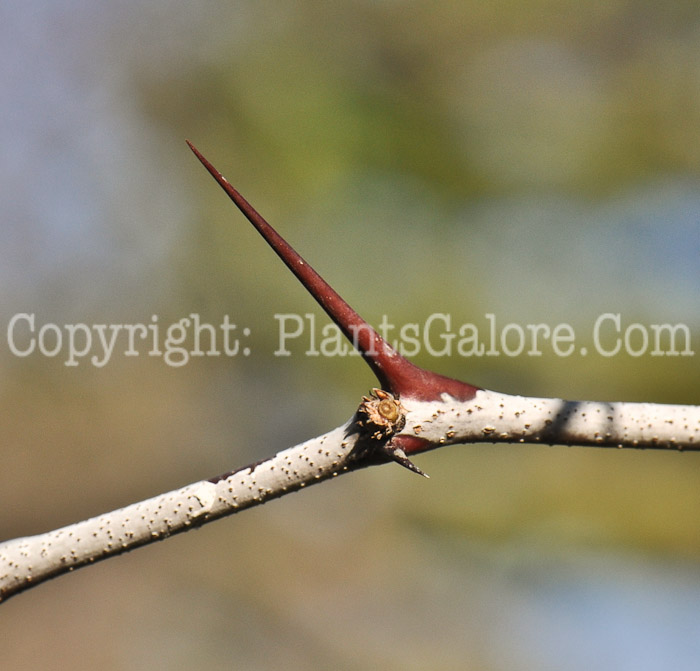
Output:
x=25 y=562
x=500 y=418
x=488 y=417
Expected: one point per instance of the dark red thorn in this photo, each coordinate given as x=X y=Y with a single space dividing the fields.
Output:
x=395 y=373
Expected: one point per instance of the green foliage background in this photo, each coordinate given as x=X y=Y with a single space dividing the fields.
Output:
x=537 y=160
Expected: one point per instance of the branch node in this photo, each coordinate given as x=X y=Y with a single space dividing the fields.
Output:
x=383 y=416
x=383 y=412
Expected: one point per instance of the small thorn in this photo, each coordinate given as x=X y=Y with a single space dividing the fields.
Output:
x=399 y=456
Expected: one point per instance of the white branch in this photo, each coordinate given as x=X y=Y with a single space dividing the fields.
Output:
x=25 y=562
x=489 y=417
x=500 y=418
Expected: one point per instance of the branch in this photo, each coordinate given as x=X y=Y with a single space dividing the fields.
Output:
x=415 y=411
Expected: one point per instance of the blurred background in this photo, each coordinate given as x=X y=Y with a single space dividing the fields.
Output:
x=537 y=161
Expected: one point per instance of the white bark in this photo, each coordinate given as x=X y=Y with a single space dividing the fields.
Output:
x=501 y=418
x=25 y=562
x=489 y=417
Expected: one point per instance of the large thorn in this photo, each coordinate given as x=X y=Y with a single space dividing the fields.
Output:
x=395 y=373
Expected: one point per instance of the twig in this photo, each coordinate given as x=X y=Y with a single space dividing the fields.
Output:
x=414 y=411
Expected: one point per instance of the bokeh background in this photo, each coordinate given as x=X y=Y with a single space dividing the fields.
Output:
x=534 y=160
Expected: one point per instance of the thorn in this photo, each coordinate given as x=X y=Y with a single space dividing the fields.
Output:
x=374 y=349
x=399 y=456
x=395 y=373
